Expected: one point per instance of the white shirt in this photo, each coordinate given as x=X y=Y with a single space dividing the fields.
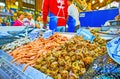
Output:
x=73 y=12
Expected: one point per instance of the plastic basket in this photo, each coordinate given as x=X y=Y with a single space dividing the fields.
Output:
x=102 y=68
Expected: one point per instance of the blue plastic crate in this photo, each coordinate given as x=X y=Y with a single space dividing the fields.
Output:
x=11 y=69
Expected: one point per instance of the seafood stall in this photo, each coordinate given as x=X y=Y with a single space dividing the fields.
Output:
x=55 y=56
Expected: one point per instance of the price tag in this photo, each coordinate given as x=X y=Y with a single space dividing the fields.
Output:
x=12 y=71
x=113 y=48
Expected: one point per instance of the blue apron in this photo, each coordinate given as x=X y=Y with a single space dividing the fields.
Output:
x=71 y=24
x=53 y=22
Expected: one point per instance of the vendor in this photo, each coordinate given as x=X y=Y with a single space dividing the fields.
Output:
x=20 y=17
x=73 y=19
x=57 y=10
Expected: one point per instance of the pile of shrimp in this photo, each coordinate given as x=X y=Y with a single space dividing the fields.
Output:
x=29 y=53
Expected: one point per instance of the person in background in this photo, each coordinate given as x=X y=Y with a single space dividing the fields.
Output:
x=6 y=21
x=39 y=23
x=73 y=17
x=117 y=18
x=29 y=21
x=20 y=17
x=57 y=11
x=1 y=21
x=14 y=18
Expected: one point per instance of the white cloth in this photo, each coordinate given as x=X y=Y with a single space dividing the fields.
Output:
x=73 y=12
x=30 y=23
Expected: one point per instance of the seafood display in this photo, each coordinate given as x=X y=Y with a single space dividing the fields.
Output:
x=13 y=45
x=72 y=59
x=29 y=53
x=60 y=57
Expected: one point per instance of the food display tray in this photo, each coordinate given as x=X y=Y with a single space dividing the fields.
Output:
x=11 y=71
x=5 y=40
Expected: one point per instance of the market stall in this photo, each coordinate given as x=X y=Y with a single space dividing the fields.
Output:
x=92 y=52
x=61 y=55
